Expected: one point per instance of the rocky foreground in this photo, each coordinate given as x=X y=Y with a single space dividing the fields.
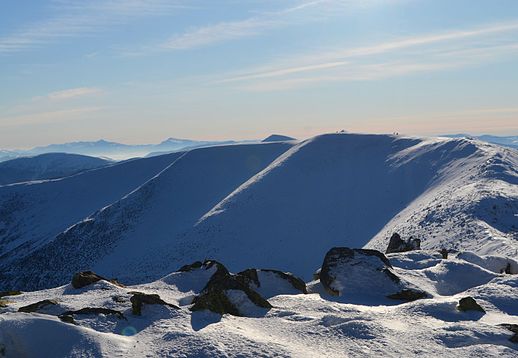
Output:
x=361 y=302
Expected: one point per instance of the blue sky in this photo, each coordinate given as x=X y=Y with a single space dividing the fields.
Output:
x=138 y=71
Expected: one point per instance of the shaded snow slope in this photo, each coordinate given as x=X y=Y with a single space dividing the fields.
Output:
x=33 y=213
x=47 y=166
x=345 y=189
x=298 y=325
x=135 y=239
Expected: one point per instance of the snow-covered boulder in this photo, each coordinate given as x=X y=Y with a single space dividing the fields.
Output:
x=85 y=278
x=368 y=272
x=396 y=244
x=227 y=293
x=271 y=283
x=138 y=299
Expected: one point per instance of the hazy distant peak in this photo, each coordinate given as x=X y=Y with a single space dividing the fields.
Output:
x=277 y=138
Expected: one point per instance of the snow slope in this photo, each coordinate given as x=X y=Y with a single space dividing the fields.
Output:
x=47 y=166
x=356 y=190
x=136 y=237
x=35 y=212
x=298 y=325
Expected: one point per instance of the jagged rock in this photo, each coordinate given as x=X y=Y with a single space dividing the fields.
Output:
x=513 y=328
x=316 y=275
x=139 y=298
x=119 y=299
x=34 y=307
x=205 y=265
x=67 y=319
x=469 y=304
x=10 y=293
x=187 y=268
x=3 y=303
x=85 y=278
x=217 y=297
x=92 y=310
x=249 y=276
x=396 y=244
x=408 y=295
x=343 y=266
x=259 y=279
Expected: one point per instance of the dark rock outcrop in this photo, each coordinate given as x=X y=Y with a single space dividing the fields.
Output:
x=215 y=296
x=85 y=278
x=139 y=298
x=205 y=265
x=469 y=304
x=513 y=328
x=9 y=293
x=35 y=307
x=396 y=244
x=408 y=295
x=91 y=310
x=444 y=253
x=251 y=276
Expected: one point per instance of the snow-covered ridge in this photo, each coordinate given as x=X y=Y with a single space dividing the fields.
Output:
x=284 y=204
x=47 y=166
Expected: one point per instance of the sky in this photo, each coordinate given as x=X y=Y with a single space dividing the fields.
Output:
x=140 y=71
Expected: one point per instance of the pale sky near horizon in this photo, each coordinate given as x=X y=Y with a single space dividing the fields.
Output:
x=139 y=71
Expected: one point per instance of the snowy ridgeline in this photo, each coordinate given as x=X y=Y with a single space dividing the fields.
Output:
x=277 y=204
x=47 y=166
x=360 y=303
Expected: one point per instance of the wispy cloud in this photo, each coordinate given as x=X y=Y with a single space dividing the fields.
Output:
x=72 y=18
x=422 y=53
x=220 y=32
x=301 y=12
x=73 y=93
x=46 y=117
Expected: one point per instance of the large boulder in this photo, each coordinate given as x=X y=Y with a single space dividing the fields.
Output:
x=139 y=298
x=68 y=316
x=271 y=283
x=396 y=244
x=227 y=293
x=365 y=273
x=513 y=328
x=85 y=278
x=469 y=304
x=38 y=306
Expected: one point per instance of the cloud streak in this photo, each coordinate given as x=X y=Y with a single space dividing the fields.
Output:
x=302 y=12
x=73 y=93
x=397 y=57
x=73 y=18
x=46 y=117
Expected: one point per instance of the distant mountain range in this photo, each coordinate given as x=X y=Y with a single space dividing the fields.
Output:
x=111 y=150
x=507 y=141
